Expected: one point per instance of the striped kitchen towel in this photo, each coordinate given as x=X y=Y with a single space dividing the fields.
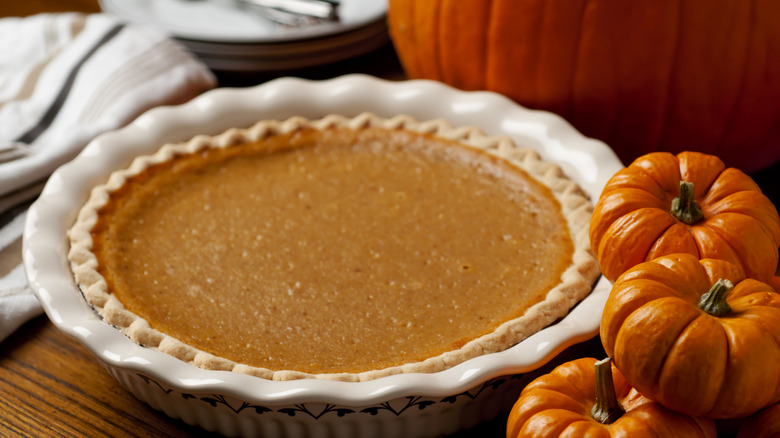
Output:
x=65 y=78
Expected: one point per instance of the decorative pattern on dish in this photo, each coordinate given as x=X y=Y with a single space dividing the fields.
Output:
x=318 y=411
x=575 y=283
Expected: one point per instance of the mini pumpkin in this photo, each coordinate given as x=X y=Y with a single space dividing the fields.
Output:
x=591 y=398
x=695 y=335
x=689 y=203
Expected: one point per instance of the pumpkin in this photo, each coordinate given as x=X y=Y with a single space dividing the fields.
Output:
x=584 y=397
x=642 y=76
x=689 y=203
x=764 y=424
x=695 y=335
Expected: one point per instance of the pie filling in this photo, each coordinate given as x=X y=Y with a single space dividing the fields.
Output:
x=330 y=250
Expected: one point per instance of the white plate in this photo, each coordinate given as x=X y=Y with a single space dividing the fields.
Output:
x=180 y=389
x=290 y=55
x=219 y=21
x=295 y=48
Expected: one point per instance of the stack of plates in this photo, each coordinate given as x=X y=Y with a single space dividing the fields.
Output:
x=229 y=38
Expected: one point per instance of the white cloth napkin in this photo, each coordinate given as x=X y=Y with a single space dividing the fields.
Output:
x=65 y=78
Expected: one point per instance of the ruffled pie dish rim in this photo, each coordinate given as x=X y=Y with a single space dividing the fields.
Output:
x=589 y=162
x=574 y=284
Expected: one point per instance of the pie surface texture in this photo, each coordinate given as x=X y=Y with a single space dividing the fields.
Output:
x=338 y=248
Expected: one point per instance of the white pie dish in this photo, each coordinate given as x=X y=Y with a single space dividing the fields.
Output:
x=236 y=404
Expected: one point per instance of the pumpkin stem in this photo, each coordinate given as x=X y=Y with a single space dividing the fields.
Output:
x=685 y=207
x=607 y=408
x=714 y=301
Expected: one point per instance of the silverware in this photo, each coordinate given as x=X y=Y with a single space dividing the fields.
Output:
x=322 y=9
x=289 y=13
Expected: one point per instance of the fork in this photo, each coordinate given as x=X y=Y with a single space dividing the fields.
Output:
x=291 y=13
x=322 y=9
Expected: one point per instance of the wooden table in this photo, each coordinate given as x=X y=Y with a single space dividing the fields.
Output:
x=52 y=386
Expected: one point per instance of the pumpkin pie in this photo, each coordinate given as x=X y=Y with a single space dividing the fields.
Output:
x=339 y=248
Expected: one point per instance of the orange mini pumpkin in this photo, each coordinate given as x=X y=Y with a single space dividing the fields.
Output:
x=696 y=336
x=586 y=398
x=689 y=203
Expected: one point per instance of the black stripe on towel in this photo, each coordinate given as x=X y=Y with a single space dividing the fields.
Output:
x=50 y=114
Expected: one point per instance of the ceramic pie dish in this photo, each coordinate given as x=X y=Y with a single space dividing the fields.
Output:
x=339 y=248
x=232 y=403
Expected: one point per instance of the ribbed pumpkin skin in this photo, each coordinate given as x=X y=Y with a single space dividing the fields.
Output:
x=558 y=404
x=643 y=75
x=684 y=358
x=632 y=222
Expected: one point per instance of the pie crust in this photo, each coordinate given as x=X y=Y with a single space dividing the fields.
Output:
x=89 y=260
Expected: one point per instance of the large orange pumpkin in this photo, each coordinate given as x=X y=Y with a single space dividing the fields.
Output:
x=640 y=75
x=694 y=343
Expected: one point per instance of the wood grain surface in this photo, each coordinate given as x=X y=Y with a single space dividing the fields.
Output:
x=52 y=386
x=24 y=8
